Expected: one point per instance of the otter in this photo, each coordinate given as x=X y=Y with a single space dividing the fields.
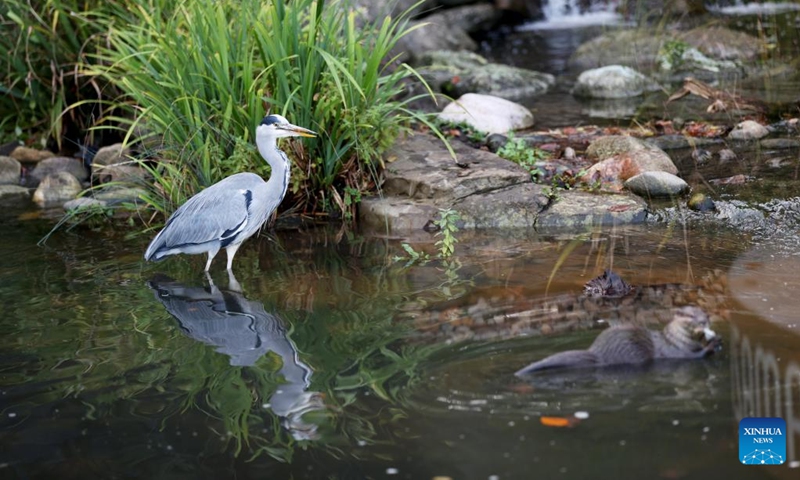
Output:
x=609 y=284
x=688 y=335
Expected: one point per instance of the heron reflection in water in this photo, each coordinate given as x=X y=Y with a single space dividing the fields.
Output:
x=244 y=331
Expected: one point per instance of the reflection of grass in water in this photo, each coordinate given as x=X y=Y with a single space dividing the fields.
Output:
x=105 y=340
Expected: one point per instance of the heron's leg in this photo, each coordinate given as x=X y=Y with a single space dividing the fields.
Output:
x=231 y=249
x=211 y=254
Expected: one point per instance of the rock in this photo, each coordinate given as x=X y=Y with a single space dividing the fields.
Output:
x=748 y=130
x=49 y=166
x=637 y=48
x=10 y=171
x=671 y=142
x=11 y=193
x=496 y=141
x=55 y=188
x=517 y=206
x=723 y=43
x=719 y=47
x=649 y=156
x=83 y=203
x=432 y=33
x=726 y=155
x=110 y=155
x=113 y=196
x=478 y=17
x=581 y=209
x=30 y=155
x=395 y=214
x=373 y=10
x=678 y=60
x=118 y=173
x=613 y=81
x=701 y=203
x=779 y=143
x=425 y=170
x=487 y=113
x=656 y=185
x=462 y=72
x=623 y=158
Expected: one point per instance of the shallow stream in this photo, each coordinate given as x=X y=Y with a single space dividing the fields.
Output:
x=337 y=361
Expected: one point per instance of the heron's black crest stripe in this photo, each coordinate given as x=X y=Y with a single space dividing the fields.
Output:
x=270 y=120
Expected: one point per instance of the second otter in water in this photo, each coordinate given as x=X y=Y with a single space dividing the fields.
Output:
x=688 y=335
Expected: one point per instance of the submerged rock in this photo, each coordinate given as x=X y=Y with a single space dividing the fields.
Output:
x=613 y=81
x=11 y=193
x=488 y=114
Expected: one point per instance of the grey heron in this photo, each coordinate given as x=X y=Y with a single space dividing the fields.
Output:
x=229 y=212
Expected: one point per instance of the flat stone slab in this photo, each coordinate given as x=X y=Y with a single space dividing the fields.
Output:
x=489 y=193
x=424 y=169
x=582 y=209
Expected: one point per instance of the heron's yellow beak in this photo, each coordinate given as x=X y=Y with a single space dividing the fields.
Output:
x=299 y=131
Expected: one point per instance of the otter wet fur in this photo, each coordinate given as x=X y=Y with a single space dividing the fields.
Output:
x=609 y=284
x=688 y=335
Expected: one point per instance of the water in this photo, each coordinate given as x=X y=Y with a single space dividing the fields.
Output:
x=331 y=360
x=546 y=46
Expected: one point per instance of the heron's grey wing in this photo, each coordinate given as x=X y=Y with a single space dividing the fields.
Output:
x=218 y=213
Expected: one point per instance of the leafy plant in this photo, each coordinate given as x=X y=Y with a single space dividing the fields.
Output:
x=447 y=225
x=201 y=79
x=529 y=158
x=47 y=50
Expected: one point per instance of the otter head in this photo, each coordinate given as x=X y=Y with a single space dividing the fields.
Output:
x=691 y=327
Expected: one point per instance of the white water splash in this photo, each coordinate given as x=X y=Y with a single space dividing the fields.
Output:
x=562 y=14
x=753 y=8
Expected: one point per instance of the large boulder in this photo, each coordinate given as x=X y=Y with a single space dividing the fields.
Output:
x=697 y=52
x=10 y=171
x=460 y=72
x=57 y=188
x=73 y=166
x=722 y=43
x=487 y=113
x=633 y=48
x=613 y=81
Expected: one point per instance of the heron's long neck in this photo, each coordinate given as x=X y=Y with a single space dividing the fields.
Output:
x=277 y=160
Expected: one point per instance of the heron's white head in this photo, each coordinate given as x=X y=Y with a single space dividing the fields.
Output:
x=275 y=126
